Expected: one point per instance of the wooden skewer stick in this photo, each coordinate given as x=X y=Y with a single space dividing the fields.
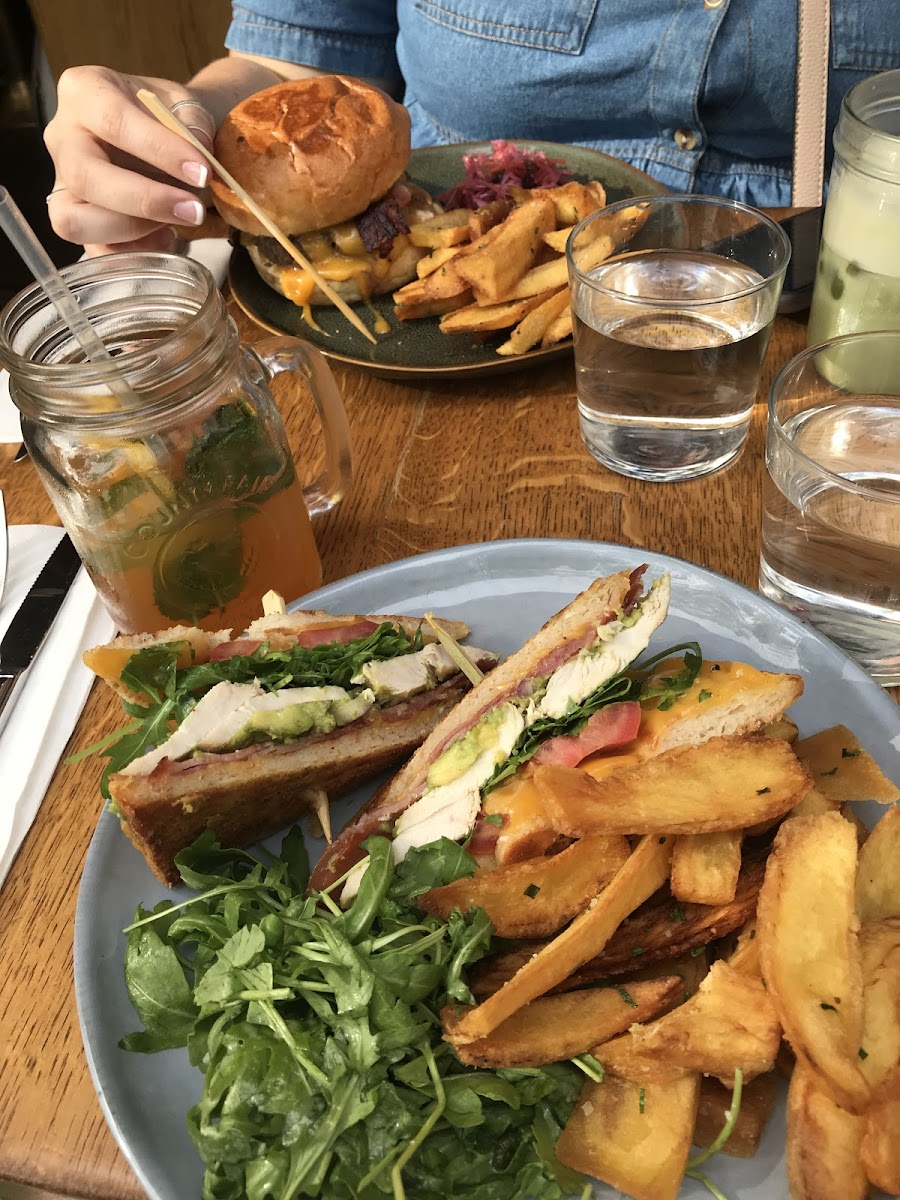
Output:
x=273 y=602
x=152 y=102
x=319 y=798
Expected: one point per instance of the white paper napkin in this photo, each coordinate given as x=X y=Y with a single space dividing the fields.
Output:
x=214 y=253
x=55 y=689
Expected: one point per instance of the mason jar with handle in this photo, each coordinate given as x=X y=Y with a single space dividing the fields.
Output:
x=171 y=471
x=857 y=284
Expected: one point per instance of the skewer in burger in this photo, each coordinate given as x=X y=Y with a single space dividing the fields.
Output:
x=326 y=158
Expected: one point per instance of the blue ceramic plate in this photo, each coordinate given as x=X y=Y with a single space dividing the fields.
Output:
x=418 y=347
x=505 y=591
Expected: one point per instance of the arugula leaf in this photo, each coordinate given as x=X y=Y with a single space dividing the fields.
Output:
x=669 y=687
x=159 y=992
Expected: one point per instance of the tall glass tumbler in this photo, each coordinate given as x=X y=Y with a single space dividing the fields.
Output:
x=673 y=299
x=831 y=506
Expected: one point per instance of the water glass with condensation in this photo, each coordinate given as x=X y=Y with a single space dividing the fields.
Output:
x=673 y=299
x=831 y=506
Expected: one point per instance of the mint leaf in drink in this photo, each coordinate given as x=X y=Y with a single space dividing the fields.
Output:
x=199 y=568
x=234 y=453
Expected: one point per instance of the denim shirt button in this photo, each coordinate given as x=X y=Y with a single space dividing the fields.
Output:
x=685 y=139
x=713 y=3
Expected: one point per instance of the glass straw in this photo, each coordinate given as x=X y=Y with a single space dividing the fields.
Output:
x=36 y=258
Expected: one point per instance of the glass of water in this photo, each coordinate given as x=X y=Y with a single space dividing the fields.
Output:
x=671 y=329
x=831 y=507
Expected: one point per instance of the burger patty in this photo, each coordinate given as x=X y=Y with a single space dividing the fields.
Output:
x=378 y=226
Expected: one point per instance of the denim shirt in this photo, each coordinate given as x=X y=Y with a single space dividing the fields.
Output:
x=698 y=93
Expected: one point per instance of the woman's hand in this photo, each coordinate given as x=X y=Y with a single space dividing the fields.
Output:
x=122 y=179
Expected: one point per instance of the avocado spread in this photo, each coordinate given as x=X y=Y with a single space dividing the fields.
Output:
x=293 y=720
x=464 y=752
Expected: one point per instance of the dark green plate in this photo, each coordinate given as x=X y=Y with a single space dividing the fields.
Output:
x=418 y=347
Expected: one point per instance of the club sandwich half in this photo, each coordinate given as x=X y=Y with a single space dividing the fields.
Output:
x=242 y=735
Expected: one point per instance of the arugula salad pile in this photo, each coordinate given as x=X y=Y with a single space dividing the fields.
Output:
x=319 y=1035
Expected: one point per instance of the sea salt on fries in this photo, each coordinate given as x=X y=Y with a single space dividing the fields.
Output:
x=508 y=252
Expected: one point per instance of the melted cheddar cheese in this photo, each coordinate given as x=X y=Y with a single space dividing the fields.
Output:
x=519 y=801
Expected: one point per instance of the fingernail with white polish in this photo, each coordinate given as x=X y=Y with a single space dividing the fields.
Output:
x=189 y=212
x=195 y=173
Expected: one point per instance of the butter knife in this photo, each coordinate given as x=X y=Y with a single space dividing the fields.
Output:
x=31 y=624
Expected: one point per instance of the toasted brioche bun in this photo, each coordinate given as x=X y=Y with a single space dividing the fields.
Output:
x=311 y=152
x=248 y=797
x=402 y=270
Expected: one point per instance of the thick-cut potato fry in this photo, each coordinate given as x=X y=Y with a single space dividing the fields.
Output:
x=553 y=1028
x=548 y=277
x=556 y=239
x=495 y=270
x=445 y=281
x=489 y=215
x=810 y=952
x=745 y=958
x=621 y=1057
x=572 y=201
x=842 y=770
x=530 y=834
x=477 y=319
x=723 y=784
x=535 y=898
x=413 y=306
x=757 y=1100
x=880 y=1150
x=662 y=928
x=559 y=329
x=784 y=727
x=878 y=875
x=691 y=969
x=635 y=1138
x=823 y=1142
x=849 y=812
x=646 y=870
x=437 y=258
x=728 y=1024
x=531 y=329
x=813 y=804
x=705 y=867
x=879 y=943
x=446 y=229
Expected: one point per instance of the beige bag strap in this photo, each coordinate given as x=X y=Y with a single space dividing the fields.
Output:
x=813 y=39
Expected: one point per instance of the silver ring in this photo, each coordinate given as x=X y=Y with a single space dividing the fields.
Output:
x=53 y=193
x=195 y=104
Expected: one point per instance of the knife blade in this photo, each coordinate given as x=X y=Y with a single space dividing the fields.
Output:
x=31 y=624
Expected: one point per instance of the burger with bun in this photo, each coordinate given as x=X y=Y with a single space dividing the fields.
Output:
x=326 y=158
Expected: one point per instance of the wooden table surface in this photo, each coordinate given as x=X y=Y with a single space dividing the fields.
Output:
x=437 y=464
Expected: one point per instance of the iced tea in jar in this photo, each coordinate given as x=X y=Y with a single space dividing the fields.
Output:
x=172 y=473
